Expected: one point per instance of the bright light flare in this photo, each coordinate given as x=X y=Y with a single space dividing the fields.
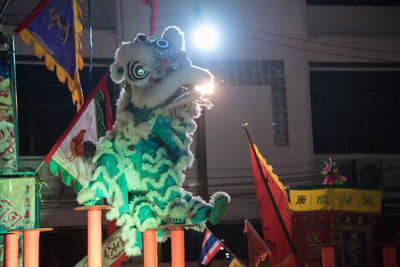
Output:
x=205 y=89
x=205 y=38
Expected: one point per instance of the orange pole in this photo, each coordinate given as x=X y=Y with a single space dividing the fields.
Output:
x=150 y=248
x=177 y=247
x=31 y=248
x=11 y=250
x=389 y=256
x=94 y=237
x=328 y=256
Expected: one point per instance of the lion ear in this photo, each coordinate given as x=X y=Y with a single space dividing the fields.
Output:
x=141 y=38
x=175 y=36
x=117 y=72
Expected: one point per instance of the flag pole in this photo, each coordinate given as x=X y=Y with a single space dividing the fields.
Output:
x=38 y=168
x=278 y=214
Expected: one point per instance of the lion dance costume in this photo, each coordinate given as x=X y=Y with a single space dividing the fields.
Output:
x=140 y=163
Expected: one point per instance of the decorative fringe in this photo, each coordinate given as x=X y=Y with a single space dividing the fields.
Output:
x=66 y=177
x=62 y=75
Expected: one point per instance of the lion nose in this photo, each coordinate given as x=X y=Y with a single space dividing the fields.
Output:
x=164 y=62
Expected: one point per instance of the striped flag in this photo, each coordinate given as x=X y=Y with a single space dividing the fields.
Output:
x=210 y=247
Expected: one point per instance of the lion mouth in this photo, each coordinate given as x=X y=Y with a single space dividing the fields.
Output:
x=181 y=94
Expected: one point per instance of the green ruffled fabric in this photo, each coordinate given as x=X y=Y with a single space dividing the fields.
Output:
x=66 y=177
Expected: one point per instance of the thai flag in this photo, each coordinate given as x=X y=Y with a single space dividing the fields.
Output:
x=210 y=247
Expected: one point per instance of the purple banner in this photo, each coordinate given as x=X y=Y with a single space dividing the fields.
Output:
x=54 y=29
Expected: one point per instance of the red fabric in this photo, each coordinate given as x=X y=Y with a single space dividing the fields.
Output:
x=257 y=249
x=273 y=232
x=389 y=256
x=153 y=15
x=30 y=17
x=108 y=113
x=328 y=256
x=311 y=229
x=354 y=234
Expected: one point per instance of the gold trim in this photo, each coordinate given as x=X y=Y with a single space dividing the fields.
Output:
x=72 y=82
x=270 y=170
x=285 y=261
x=345 y=199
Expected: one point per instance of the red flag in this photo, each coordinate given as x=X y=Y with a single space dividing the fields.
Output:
x=274 y=210
x=153 y=14
x=256 y=247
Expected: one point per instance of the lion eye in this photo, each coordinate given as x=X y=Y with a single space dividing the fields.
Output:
x=136 y=71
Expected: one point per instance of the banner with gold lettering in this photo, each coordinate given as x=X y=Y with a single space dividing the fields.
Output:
x=346 y=218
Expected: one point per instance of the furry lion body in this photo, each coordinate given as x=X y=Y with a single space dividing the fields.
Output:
x=140 y=163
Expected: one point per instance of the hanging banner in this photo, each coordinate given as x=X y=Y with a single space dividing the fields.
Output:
x=348 y=199
x=55 y=29
x=17 y=206
x=8 y=119
x=347 y=219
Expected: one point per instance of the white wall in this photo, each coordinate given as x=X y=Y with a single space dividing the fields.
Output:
x=238 y=22
x=226 y=141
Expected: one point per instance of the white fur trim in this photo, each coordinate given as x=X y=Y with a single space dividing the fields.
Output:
x=175 y=36
x=131 y=52
x=156 y=95
x=115 y=73
x=217 y=195
x=85 y=194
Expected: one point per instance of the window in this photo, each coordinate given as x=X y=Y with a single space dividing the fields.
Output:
x=45 y=106
x=259 y=72
x=355 y=111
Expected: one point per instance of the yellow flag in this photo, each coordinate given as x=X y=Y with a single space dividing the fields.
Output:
x=234 y=263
